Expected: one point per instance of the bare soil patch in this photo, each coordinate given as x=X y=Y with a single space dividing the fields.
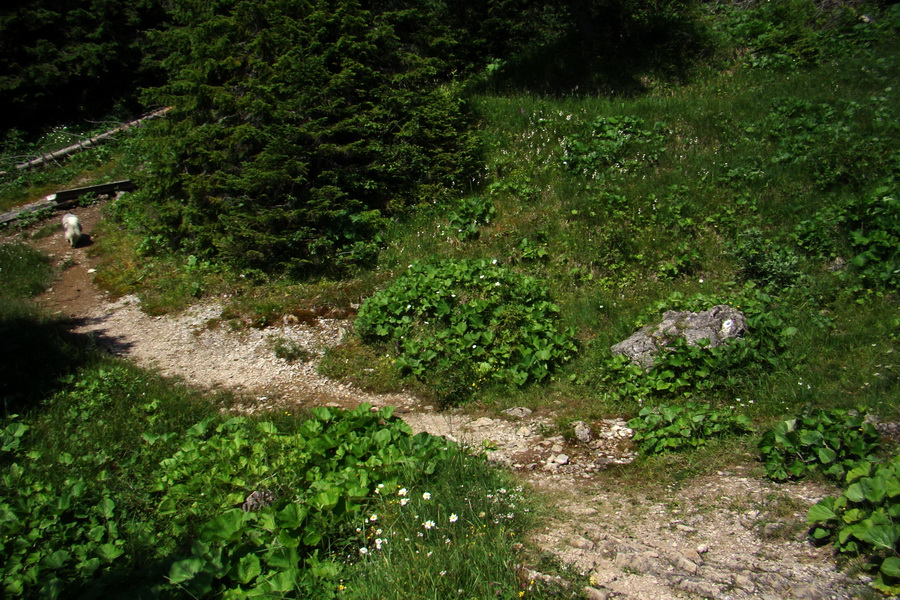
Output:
x=729 y=536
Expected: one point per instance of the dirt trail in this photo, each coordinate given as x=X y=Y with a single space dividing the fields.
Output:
x=732 y=536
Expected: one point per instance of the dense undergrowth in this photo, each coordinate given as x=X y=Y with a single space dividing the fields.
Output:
x=118 y=484
x=765 y=177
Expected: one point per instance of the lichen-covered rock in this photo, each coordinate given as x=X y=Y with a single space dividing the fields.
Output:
x=717 y=325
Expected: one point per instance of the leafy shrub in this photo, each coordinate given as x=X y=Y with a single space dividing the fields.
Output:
x=469 y=321
x=862 y=521
x=866 y=226
x=766 y=261
x=468 y=215
x=831 y=441
x=320 y=478
x=673 y=428
x=620 y=143
x=534 y=248
x=684 y=371
x=830 y=140
x=789 y=34
x=142 y=499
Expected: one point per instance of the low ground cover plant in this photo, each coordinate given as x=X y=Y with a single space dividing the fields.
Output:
x=862 y=521
x=683 y=371
x=458 y=324
x=615 y=145
x=665 y=428
x=153 y=493
x=830 y=441
x=468 y=215
x=863 y=230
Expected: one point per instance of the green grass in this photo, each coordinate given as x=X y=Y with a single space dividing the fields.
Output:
x=765 y=168
x=102 y=163
x=753 y=147
x=24 y=272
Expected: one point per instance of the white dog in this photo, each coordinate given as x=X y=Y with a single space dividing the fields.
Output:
x=72 y=227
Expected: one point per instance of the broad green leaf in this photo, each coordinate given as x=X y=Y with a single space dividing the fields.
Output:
x=56 y=560
x=267 y=427
x=109 y=552
x=282 y=581
x=96 y=533
x=891 y=566
x=106 y=507
x=892 y=487
x=326 y=499
x=853 y=515
x=810 y=437
x=855 y=492
x=822 y=511
x=383 y=437
x=248 y=568
x=291 y=516
x=882 y=536
x=225 y=527
x=200 y=428
x=826 y=455
x=185 y=570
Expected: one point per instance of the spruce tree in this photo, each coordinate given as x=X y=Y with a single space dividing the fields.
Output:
x=296 y=128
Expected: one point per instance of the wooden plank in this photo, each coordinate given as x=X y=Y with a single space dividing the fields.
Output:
x=126 y=185
x=15 y=214
x=66 y=198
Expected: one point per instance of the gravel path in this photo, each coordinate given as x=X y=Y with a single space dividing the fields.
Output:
x=731 y=536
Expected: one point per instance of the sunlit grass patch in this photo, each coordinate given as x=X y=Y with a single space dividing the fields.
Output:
x=450 y=537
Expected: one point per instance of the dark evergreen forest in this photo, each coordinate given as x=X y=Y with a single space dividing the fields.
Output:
x=298 y=127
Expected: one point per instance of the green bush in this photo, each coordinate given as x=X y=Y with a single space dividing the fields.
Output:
x=792 y=33
x=867 y=228
x=468 y=215
x=683 y=371
x=832 y=141
x=863 y=521
x=674 y=428
x=155 y=506
x=460 y=323
x=765 y=261
x=829 y=441
x=618 y=144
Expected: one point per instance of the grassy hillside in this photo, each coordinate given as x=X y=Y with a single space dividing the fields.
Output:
x=770 y=189
x=766 y=179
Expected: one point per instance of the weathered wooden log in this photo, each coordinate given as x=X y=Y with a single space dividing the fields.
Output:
x=88 y=143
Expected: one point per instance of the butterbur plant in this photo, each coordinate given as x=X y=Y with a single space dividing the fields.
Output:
x=865 y=521
x=462 y=323
x=468 y=215
x=664 y=428
x=831 y=441
x=621 y=142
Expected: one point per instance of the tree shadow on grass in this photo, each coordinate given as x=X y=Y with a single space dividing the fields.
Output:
x=36 y=353
x=608 y=53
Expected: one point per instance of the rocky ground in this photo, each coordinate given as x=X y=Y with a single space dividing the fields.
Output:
x=732 y=535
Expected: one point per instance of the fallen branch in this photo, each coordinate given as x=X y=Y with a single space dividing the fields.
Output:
x=88 y=143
